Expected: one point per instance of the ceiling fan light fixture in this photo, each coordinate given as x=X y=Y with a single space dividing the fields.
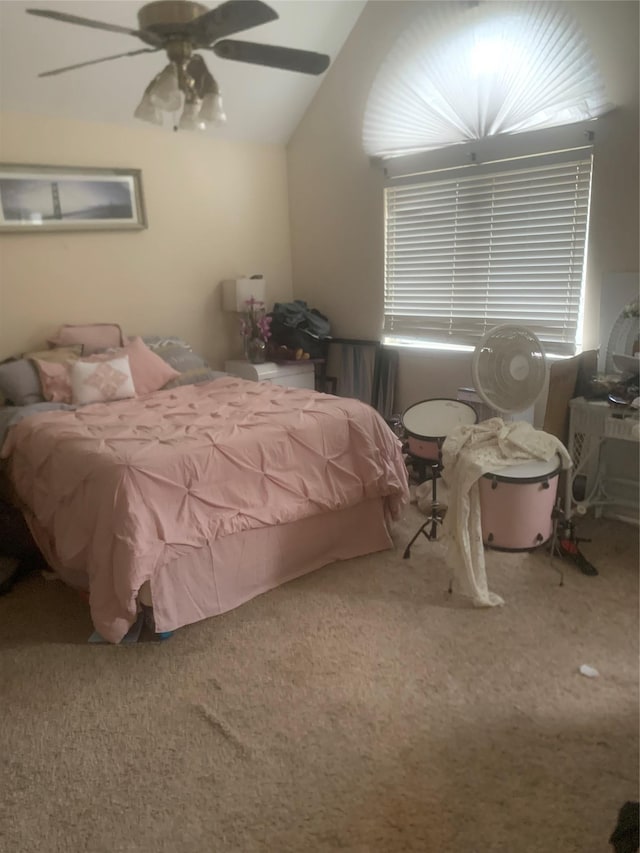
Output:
x=190 y=118
x=147 y=111
x=164 y=90
x=212 y=109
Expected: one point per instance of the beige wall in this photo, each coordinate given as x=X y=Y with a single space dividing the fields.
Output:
x=215 y=210
x=336 y=195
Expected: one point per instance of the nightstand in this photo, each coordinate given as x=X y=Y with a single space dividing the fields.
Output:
x=298 y=374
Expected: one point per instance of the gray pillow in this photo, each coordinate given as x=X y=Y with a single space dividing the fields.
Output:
x=20 y=383
x=193 y=377
x=180 y=356
x=182 y=360
x=156 y=342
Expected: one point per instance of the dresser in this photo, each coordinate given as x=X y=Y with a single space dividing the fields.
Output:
x=298 y=374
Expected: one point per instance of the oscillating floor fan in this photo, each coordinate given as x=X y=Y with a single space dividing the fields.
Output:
x=509 y=369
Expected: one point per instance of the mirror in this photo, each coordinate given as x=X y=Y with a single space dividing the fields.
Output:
x=624 y=342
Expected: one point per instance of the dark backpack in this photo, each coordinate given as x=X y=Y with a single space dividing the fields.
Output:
x=296 y=326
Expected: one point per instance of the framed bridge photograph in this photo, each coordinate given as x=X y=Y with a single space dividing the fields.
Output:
x=66 y=198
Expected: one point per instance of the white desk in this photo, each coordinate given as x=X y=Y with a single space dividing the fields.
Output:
x=592 y=425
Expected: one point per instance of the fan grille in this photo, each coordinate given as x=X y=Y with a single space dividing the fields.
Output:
x=509 y=368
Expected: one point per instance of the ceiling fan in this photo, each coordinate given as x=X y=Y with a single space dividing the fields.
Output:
x=180 y=27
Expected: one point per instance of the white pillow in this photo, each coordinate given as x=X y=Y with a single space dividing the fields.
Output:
x=101 y=381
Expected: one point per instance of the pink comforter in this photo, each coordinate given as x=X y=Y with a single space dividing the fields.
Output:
x=107 y=486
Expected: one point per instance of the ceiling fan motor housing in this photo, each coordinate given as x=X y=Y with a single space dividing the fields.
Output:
x=169 y=17
x=181 y=27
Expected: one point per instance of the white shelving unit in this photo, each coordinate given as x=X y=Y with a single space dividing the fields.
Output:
x=593 y=426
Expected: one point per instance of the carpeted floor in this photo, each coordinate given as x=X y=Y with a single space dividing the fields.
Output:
x=359 y=708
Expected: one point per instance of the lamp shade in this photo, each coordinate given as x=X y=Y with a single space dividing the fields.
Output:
x=236 y=291
x=190 y=118
x=165 y=94
x=212 y=109
x=146 y=111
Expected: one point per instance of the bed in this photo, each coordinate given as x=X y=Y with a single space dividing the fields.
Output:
x=197 y=498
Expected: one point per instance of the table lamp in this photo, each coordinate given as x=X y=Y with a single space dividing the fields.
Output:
x=236 y=291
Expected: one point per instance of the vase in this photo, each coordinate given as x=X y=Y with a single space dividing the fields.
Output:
x=256 y=351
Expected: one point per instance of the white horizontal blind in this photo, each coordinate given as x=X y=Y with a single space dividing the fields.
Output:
x=497 y=243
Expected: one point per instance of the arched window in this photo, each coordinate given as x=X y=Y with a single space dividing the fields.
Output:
x=466 y=71
x=486 y=211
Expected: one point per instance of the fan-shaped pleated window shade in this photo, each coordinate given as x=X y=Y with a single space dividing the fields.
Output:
x=468 y=71
x=504 y=244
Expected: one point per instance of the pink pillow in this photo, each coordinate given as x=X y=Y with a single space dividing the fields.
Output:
x=55 y=380
x=149 y=371
x=53 y=371
x=93 y=337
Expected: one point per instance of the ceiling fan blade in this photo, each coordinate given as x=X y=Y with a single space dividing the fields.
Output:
x=287 y=58
x=228 y=18
x=147 y=36
x=95 y=61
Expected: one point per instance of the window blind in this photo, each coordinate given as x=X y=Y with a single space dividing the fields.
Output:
x=486 y=245
x=467 y=71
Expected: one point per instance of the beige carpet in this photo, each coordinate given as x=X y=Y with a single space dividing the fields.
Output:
x=359 y=709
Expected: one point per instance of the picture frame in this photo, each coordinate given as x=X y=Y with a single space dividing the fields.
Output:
x=70 y=198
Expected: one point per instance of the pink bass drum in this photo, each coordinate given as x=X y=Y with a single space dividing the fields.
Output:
x=516 y=505
x=429 y=422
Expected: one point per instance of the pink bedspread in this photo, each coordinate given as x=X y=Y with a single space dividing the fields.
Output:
x=107 y=487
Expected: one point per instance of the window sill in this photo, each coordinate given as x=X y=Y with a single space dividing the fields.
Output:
x=448 y=349
x=405 y=343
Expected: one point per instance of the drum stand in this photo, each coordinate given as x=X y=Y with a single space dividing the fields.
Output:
x=429 y=528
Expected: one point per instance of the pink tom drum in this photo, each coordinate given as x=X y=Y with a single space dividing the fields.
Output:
x=429 y=422
x=516 y=505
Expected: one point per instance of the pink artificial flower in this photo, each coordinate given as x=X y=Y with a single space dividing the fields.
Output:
x=254 y=323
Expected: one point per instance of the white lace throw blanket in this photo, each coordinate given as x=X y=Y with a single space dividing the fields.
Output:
x=467 y=454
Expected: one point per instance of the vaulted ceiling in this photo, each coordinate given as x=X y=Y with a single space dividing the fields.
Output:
x=262 y=104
